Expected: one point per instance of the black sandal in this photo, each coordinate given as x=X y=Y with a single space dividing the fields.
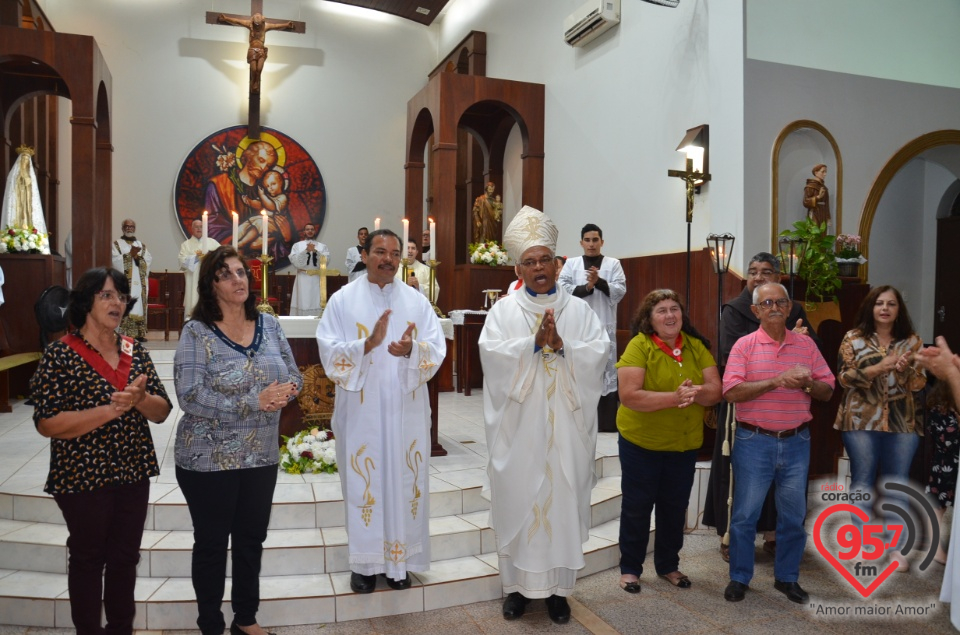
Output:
x=630 y=587
x=681 y=581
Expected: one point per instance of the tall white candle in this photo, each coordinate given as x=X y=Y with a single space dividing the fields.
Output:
x=236 y=231
x=265 y=237
x=376 y=224
x=433 y=239
x=203 y=241
x=406 y=236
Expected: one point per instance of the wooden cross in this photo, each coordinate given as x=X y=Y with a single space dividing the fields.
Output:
x=257 y=52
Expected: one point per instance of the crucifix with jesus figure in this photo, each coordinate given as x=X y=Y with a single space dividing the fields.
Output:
x=257 y=52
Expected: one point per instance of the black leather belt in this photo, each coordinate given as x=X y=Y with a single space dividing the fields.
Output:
x=779 y=434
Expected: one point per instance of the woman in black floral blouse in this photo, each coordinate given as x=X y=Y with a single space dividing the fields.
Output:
x=94 y=392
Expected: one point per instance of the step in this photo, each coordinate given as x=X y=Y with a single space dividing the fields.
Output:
x=29 y=598
x=41 y=546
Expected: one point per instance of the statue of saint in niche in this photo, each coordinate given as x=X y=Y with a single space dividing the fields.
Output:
x=488 y=216
x=816 y=196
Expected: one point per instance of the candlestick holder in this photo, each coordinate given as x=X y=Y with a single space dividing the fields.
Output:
x=433 y=285
x=264 y=306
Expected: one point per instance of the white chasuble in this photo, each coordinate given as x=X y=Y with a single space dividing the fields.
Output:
x=381 y=422
x=189 y=263
x=605 y=306
x=540 y=411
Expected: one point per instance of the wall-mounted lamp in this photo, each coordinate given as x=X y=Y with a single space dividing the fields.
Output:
x=696 y=146
x=721 y=248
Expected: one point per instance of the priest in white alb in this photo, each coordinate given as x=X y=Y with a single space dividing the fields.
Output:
x=543 y=353
x=305 y=255
x=380 y=342
x=191 y=250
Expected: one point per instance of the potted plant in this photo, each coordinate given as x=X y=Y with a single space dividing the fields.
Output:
x=849 y=257
x=819 y=265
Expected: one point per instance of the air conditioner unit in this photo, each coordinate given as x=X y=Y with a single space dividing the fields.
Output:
x=591 y=20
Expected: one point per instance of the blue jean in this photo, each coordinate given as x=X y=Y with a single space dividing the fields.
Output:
x=893 y=453
x=653 y=482
x=758 y=461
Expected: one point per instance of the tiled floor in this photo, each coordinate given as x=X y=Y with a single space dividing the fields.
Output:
x=442 y=601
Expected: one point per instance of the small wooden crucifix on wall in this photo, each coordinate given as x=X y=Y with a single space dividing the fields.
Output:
x=257 y=52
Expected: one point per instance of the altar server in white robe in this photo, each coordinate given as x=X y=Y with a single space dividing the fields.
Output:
x=305 y=256
x=131 y=256
x=543 y=352
x=380 y=342
x=355 y=266
x=191 y=250
x=418 y=274
x=599 y=280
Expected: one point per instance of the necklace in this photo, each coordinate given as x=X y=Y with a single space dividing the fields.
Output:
x=676 y=353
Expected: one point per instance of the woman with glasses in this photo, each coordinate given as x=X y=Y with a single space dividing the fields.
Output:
x=94 y=393
x=667 y=378
x=877 y=368
x=736 y=321
x=233 y=372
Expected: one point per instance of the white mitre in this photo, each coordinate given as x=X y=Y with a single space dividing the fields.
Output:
x=529 y=228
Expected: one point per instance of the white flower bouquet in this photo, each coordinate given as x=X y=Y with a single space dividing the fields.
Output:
x=309 y=451
x=24 y=240
x=488 y=253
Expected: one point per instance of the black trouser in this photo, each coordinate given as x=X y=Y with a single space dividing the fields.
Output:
x=225 y=504
x=105 y=527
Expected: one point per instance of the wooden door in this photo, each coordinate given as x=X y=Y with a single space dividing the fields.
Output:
x=946 y=321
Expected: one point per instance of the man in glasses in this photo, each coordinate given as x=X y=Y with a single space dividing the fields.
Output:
x=736 y=321
x=543 y=353
x=772 y=375
x=132 y=258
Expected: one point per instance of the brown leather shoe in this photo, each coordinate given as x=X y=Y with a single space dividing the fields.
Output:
x=770 y=546
x=725 y=552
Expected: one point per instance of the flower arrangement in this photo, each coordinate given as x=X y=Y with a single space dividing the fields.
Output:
x=488 y=253
x=309 y=451
x=848 y=249
x=24 y=240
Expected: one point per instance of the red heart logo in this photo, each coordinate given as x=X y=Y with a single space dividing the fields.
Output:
x=843 y=507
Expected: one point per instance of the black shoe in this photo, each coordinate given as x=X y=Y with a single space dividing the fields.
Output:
x=735 y=591
x=399 y=585
x=236 y=630
x=514 y=606
x=359 y=583
x=793 y=591
x=558 y=609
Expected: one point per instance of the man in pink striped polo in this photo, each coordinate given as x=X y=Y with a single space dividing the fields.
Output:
x=772 y=375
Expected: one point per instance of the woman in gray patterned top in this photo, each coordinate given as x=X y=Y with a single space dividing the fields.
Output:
x=233 y=372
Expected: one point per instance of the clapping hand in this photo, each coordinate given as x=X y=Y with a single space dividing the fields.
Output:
x=593 y=274
x=796 y=377
x=276 y=395
x=687 y=393
x=404 y=346
x=379 y=332
x=127 y=399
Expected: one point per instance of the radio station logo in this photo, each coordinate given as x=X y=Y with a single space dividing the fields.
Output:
x=855 y=553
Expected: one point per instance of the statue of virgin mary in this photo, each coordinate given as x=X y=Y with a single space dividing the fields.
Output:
x=21 y=199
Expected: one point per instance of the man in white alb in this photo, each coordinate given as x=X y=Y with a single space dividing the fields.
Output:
x=191 y=250
x=356 y=267
x=599 y=280
x=132 y=258
x=380 y=342
x=543 y=353
x=305 y=256
x=418 y=274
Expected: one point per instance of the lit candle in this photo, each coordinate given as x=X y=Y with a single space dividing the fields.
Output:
x=406 y=236
x=263 y=232
x=433 y=239
x=376 y=224
x=203 y=241
x=236 y=231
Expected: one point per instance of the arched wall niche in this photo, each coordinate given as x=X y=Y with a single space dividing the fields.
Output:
x=900 y=158
x=801 y=145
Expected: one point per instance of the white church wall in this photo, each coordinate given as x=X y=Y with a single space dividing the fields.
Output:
x=615 y=112
x=340 y=90
x=871 y=119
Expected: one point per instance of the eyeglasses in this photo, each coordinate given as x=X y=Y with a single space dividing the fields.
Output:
x=782 y=303
x=110 y=296
x=542 y=261
x=763 y=273
x=225 y=274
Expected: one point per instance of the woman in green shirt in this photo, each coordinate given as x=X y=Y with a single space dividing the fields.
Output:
x=667 y=377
